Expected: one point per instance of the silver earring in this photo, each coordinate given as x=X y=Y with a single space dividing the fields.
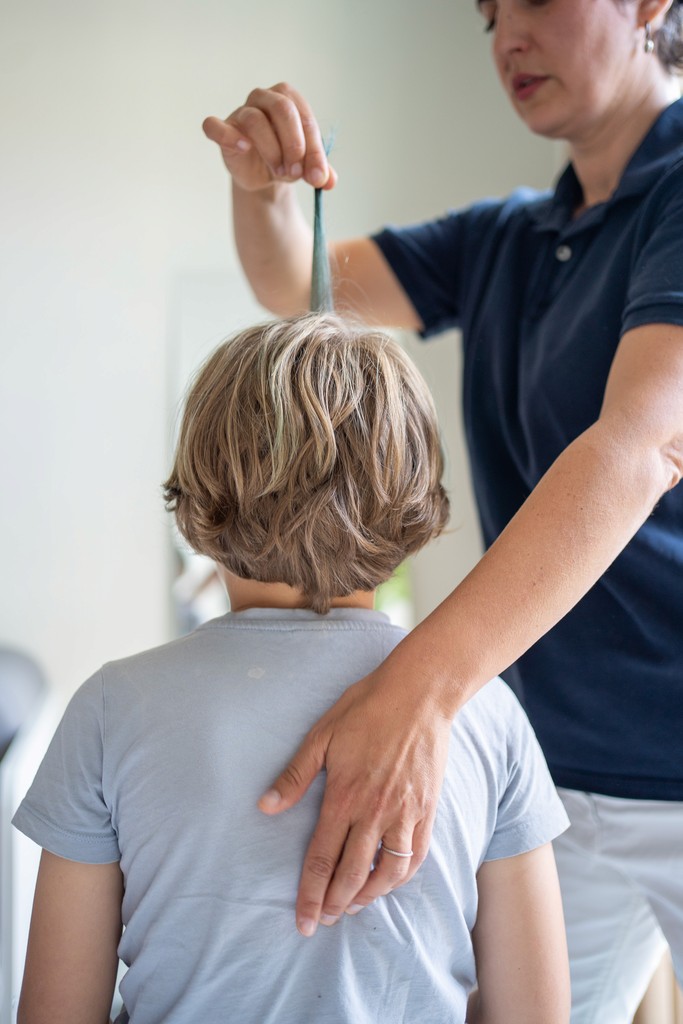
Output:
x=649 y=41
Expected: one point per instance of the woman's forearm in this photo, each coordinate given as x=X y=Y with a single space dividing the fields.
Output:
x=572 y=526
x=275 y=247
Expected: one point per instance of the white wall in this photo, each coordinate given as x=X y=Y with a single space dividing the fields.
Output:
x=113 y=200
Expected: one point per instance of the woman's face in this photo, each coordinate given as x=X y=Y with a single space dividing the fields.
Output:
x=567 y=65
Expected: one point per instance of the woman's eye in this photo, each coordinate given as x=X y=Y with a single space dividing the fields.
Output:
x=487 y=9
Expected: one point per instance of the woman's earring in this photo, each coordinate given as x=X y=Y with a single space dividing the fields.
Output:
x=649 y=41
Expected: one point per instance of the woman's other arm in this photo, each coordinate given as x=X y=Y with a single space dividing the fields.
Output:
x=384 y=743
x=72 y=959
x=519 y=943
x=268 y=143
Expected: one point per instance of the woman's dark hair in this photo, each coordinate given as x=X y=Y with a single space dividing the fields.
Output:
x=669 y=39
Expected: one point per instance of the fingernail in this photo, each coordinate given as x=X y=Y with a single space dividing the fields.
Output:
x=306 y=926
x=355 y=908
x=318 y=177
x=243 y=145
x=295 y=170
x=271 y=799
x=328 y=919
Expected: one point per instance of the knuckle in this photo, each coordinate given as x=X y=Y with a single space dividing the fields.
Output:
x=393 y=869
x=255 y=97
x=282 y=104
x=377 y=888
x=292 y=775
x=248 y=118
x=353 y=877
x=396 y=876
x=293 y=149
x=309 y=123
x=320 y=866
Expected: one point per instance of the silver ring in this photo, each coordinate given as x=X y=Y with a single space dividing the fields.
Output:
x=394 y=853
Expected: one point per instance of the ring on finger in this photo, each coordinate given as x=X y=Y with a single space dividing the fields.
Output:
x=395 y=853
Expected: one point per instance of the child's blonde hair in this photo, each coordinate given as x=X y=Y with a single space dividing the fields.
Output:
x=309 y=455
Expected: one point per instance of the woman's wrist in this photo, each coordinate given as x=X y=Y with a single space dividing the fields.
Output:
x=421 y=665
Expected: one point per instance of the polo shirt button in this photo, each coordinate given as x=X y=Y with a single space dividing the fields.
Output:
x=563 y=253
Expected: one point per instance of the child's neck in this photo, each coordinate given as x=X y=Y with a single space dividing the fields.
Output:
x=245 y=594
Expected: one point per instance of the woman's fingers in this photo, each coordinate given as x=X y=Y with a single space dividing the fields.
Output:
x=339 y=866
x=323 y=858
x=349 y=874
x=389 y=875
x=241 y=155
x=315 y=170
x=271 y=119
x=225 y=135
x=273 y=136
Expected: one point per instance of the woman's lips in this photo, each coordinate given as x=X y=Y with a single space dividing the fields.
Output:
x=525 y=86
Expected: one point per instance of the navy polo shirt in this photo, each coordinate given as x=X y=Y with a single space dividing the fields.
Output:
x=542 y=300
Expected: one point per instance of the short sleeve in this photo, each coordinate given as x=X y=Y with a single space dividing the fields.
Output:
x=65 y=811
x=433 y=261
x=530 y=813
x=655 y=292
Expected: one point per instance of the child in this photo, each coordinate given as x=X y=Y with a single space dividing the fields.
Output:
x=308 y=466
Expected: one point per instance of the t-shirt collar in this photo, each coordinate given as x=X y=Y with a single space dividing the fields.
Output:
x=654 y=155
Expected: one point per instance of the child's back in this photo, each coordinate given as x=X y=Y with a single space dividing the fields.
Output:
x=168 y=753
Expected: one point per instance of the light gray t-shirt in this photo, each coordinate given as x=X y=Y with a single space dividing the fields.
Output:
x=159 y=761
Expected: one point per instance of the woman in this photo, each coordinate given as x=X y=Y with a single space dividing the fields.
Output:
x=572 y=314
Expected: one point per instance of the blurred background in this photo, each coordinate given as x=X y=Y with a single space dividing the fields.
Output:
x=118 y=274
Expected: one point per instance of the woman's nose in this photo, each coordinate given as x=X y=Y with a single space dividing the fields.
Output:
x=512 y=32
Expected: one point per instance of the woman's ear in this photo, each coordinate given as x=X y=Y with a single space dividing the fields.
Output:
x=653 y=12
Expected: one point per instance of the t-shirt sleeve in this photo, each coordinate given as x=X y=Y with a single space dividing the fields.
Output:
x=65 y=811
x=530 y=813
x=433 y=261
x=655 y=292
x=444 y=265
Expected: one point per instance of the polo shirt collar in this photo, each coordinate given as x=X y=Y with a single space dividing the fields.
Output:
x=660 y=147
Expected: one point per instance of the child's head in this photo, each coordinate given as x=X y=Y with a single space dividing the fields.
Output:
x=309 y=455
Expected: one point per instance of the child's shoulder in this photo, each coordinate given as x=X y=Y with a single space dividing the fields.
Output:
x=170 y=654
x=496 y=697
x=496 y=712
x=223 y=641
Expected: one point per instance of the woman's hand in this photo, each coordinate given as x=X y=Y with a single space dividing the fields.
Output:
x=269 y=142
x=384 y=744
x=273 y=137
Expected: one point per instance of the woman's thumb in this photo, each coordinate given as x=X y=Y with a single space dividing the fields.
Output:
x=293 y=782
